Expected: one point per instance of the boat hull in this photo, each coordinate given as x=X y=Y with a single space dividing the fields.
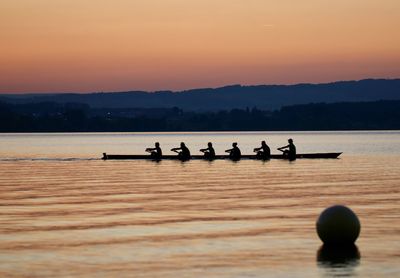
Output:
x=219 y=157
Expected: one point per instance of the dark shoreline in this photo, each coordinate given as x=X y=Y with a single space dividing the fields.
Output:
x=76 y=117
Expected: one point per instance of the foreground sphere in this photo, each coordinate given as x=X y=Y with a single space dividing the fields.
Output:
x=338 y=225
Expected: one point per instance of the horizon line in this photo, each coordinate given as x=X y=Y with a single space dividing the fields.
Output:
x=199 y=88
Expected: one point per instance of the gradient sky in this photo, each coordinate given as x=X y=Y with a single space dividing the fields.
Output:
x=103 y=45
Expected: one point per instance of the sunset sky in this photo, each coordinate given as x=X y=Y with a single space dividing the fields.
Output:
x=103 y=45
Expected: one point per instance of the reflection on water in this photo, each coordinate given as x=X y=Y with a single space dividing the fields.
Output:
x=338 y=260
x=92 y=145
x=94 y=218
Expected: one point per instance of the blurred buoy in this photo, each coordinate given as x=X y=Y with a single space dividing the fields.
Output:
x=338 y=225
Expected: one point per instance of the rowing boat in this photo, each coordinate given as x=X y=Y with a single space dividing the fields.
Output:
x=218 y=157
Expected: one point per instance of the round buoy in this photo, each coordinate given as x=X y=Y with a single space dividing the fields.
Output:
x=338 y=225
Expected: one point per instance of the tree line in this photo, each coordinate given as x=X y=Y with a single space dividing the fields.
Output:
x=76 y=117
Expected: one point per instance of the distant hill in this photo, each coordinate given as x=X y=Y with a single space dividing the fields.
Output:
x=263 y=97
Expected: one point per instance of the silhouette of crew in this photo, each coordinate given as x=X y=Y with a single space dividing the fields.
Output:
x=234 y=153
x=155 y=152
x=263 y=152
x=183 y=152
x=209 y=152
x=289 y=150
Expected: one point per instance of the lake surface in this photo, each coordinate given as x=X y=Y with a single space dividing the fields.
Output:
x=65 y=212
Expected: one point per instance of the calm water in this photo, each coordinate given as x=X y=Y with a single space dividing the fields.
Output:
x=65 y=212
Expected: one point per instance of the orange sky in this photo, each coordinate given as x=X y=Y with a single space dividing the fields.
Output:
x=103 y=45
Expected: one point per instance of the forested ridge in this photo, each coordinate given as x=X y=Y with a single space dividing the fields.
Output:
x=76 y=117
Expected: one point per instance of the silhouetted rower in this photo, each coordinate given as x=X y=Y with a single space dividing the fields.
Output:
x=209 y=152
x=155 y=152
x=263 y=152
x=234 y=153
x=183 y=152
x=290 y=150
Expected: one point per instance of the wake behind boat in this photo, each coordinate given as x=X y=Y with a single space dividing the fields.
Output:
x=219 y=157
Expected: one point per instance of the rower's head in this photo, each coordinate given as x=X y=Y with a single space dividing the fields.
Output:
x=182 y=144
x=290 y=140
x=234 y=144
x=263 y=143
x=157 y=144
x=209 y=144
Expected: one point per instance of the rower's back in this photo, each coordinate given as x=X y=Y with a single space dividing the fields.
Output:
x=266 y=150
x=292 y=150
x=235 y=153
x=185 y=152
x=158 y=150
x=211 y=151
